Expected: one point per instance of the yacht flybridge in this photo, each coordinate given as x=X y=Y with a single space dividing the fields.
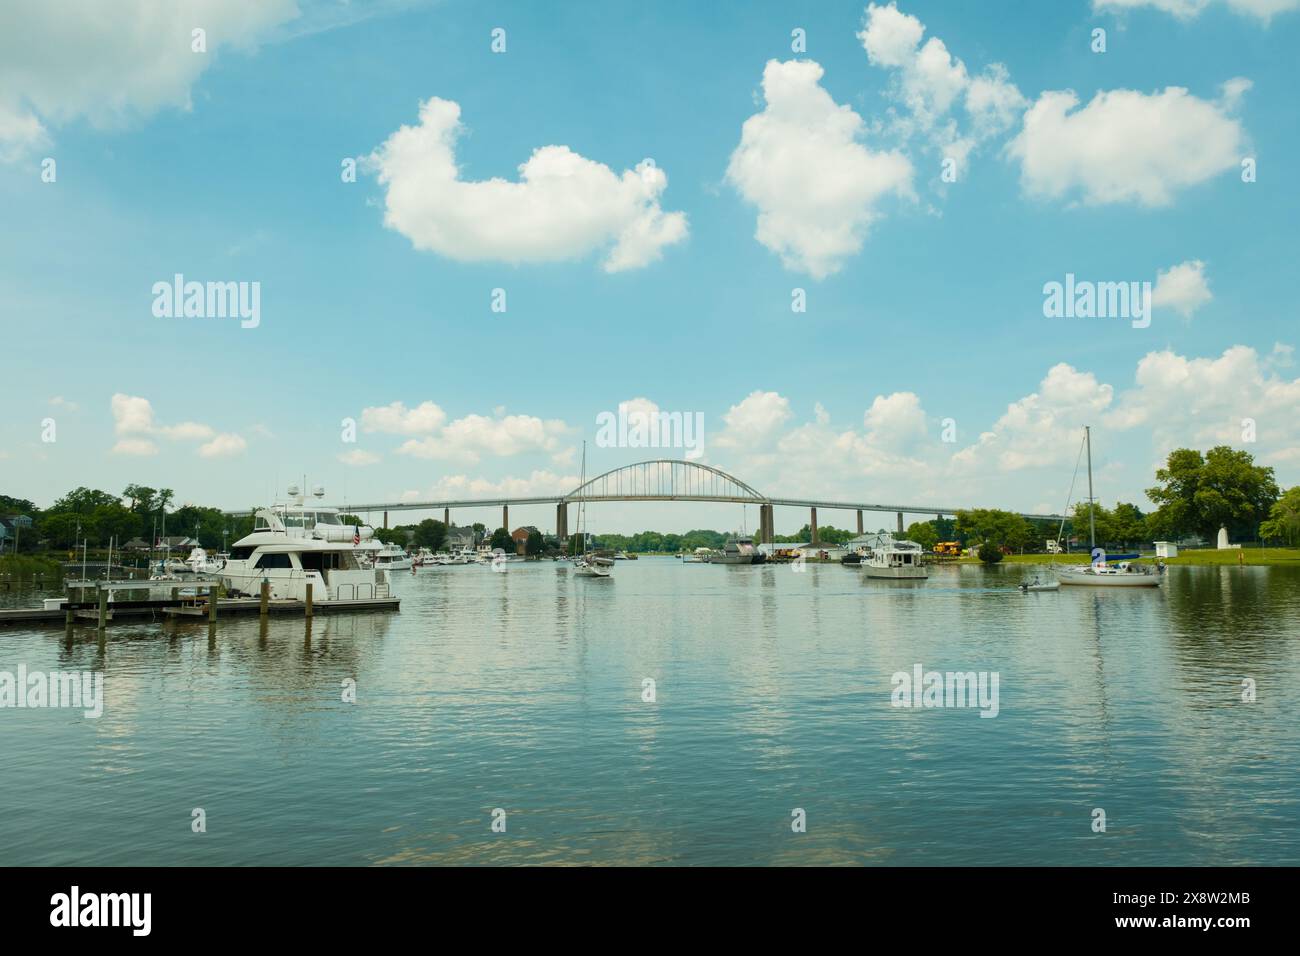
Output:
x=294 y=545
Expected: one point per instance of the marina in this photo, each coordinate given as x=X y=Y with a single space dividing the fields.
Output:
x=524 y=691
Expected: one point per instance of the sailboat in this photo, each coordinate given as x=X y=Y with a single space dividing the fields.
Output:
x=1122 y=574
x=589 y=564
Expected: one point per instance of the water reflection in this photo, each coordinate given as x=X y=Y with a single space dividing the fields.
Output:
x=524 y=690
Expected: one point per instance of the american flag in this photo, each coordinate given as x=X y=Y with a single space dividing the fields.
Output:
x=356 y=534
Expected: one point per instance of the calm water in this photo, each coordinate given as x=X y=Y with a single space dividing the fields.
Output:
x=523 y=691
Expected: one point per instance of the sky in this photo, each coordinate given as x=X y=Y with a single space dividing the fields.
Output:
x=827 y=231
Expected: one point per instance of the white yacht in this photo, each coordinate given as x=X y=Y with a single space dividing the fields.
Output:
x=291 y=548
x=392 y=557
x=888 y=557
x=200 y=563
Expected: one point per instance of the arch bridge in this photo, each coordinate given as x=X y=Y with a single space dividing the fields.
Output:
x=669 y=479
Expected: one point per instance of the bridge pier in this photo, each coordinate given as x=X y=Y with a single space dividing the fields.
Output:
x=900 y=522
x=446 y=517
x=765 y=531
x=561 y=521
x=812 y=524
x=859 y=522
x=385 y=520
x=505 y=518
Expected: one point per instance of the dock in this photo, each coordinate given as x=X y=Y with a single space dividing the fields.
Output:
x=93 y=607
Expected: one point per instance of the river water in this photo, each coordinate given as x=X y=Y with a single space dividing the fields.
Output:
x=526 y=692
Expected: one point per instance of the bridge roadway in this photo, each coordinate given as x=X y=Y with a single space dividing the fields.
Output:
x=661 y=480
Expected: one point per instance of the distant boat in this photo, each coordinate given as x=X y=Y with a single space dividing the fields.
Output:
x=739 y=550
x=392 y=557
x=1100 y=573
x=896 y=559
x=589 y=564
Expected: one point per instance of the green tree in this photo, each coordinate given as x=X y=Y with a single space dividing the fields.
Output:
x=501 y=539
x=989 y=553
x=923 y=533
x=1000 y=528
x=535 y=543
x=1283 y=524
x=1201 y=493
x=430 y=534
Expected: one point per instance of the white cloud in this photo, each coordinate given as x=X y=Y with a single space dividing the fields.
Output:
x=930 y=82
x=540 y=482
x=135 y=446
x=134 y=425
x=895 y=421
x=223 y=446
x=754 y=420
x=1126 y=146
x=564 y=206
x=1182 y=288
x=185 y=431
x=1203 y=401
x=80 y=60
x=802 y=163
x=1263 y=10
x=1044 y=427
x=467 y=438
x=359 y=457
x=58 y=401
x=397 y=419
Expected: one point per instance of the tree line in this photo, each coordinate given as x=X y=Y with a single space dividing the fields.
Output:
x=1195 y=494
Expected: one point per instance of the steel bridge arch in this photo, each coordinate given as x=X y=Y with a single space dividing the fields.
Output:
x=666 y=479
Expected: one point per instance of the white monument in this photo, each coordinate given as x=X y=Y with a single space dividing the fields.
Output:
x=1223 y=538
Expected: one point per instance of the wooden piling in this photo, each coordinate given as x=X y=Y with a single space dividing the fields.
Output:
x=70 y=614
x=308 y=602
x=266 y=598
x=212 y=604
x=102 y=597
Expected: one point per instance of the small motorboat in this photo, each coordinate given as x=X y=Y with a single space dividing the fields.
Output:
x=1037 y=585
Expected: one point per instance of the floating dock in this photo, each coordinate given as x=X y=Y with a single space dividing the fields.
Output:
x=100 y=611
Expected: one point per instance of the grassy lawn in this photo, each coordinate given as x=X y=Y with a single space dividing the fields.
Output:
x=1232 y=556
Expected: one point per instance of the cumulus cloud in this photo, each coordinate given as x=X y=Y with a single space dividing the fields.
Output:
x=223 y=446
x=359 y=457
x=930 y=84
x=467 y=439
x=540 y=482
x=1126 y=146
x=802 y=162
x=1043 y=428
x=79 y=60
x=397 y=419
x=1182 y=288
x=754 y=420
x=136 y=429
x=1262 y=10
x=563 y=206
x=1204 y=401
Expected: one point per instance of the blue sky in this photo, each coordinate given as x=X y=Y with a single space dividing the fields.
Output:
x=225 y=166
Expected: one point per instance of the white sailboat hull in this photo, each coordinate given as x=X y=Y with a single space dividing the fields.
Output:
x=1087 y=577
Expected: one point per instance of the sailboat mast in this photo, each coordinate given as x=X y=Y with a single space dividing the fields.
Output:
x=1092 y=506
